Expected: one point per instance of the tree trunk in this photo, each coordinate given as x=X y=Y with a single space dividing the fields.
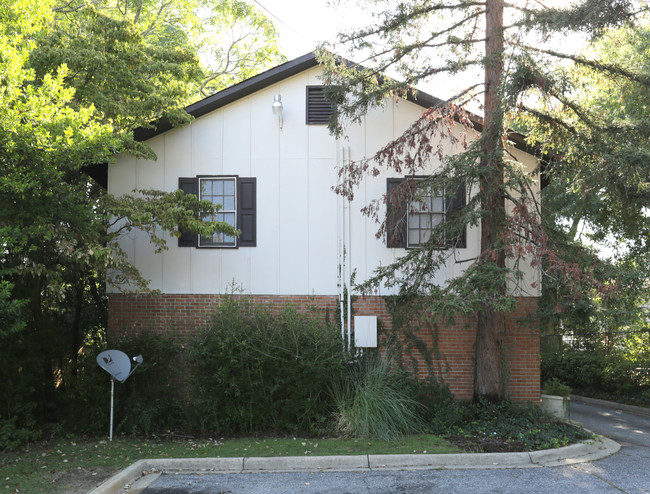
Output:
x=488 y=381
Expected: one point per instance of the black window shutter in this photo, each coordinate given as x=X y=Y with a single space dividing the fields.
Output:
x=189 y=186
x=456 y=202
x=247 y=211
x=395 y=216
x=319 y=109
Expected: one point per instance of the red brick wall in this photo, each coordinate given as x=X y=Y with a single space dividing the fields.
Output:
x=182 y=315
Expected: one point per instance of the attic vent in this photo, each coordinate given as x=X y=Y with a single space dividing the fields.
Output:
x=318 y=108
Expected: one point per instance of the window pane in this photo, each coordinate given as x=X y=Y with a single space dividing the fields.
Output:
x=218 y=187
x=438 y=204
x=228 y=202
x=229 y=187
x=414 y=237
x=227 y=218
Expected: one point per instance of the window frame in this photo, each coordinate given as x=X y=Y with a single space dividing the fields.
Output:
x=410 y=213
x=234 y=212
x=397 y=215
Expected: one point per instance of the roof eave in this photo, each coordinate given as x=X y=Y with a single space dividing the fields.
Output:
x=233 y=93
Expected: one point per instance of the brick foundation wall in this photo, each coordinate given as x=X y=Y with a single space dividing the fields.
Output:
x=183 y=315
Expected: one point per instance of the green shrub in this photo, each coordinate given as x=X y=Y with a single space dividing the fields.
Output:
x=373 y=401
x=616 y=375
x=556 y=387
x=14 y=431
x=580 y=370
x=441 y=410
x=253 y=371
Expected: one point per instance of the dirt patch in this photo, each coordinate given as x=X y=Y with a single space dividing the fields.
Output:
x=81 y=480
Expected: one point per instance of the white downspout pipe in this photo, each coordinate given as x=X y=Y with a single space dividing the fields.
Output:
x=340 y=216
x=346 y=152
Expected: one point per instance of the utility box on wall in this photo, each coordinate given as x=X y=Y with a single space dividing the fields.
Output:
x=365 y=331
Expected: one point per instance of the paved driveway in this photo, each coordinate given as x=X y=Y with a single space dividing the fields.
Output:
x=626 y=472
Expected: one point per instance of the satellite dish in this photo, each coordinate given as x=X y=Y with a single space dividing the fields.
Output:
x=116 y=363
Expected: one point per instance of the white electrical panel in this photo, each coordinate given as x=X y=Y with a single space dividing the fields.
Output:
x=365 y=331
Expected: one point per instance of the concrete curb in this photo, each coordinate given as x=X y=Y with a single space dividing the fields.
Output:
x=642 y=411
x=139 y=475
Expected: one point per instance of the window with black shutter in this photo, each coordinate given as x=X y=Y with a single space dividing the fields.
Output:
x=237 y=198
x=319 y=109
x=409 y=219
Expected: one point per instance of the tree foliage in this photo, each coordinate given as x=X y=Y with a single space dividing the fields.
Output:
x=231 y=39
x=76 y=79
x=524 y=68
x=598 y=189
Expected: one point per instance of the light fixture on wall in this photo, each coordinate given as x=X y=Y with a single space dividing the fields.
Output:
x=277 y=108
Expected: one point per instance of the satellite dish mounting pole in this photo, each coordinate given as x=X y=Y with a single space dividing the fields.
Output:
x=118 y=365
x=112 y=393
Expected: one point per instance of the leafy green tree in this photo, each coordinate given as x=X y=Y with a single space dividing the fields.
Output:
x=598 y=186
x=232 y=39
x=506 y=43
x=55 y=248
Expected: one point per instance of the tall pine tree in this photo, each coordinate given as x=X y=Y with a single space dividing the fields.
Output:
x=520 y=49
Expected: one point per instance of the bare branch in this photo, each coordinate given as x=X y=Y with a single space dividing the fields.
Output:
x=68 y=8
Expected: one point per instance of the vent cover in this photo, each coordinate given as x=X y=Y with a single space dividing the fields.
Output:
x=318 y=108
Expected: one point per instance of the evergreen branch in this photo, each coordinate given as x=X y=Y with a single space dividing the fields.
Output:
x=454 y=42
x=398 y=20
x=612 y=69
x=452 y=68
x=549 y=119
x=451 y=28
x=400 y=53
x=577 y=110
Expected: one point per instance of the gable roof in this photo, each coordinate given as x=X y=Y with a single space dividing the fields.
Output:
x=255 y=83
x=235 y=92
x=277 y=74
x=261 y=81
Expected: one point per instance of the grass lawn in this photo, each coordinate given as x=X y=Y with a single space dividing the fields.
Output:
x=77 y=466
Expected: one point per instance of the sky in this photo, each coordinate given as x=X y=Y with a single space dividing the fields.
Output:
x=303 y=24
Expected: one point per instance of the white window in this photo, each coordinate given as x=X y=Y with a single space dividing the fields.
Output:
x=424 y=214
x=414 y=210
x=220 y=191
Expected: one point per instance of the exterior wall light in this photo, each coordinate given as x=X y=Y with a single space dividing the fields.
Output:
x=277 y=108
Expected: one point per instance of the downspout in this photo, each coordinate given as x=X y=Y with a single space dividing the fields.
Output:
x=346 y=156
x=339 y=238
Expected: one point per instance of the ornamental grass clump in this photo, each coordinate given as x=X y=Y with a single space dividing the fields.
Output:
x=371 y=401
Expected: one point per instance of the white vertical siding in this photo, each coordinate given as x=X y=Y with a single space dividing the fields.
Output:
x=295 y=168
